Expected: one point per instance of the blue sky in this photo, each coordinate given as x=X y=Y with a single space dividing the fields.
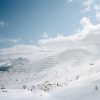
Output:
x=25 y=21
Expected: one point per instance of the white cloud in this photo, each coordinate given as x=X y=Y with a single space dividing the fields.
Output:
x=85 y=21
x=91 y=5
x=2 y=23
x=45 y=35
x=20 y=50
x=90 y=34
x=8 y=40
x=14 y=41
x=88 y=4
x=69 y=1
x=98 y=16
x=96 y=7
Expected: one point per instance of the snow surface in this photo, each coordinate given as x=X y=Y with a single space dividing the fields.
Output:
x=70 y=74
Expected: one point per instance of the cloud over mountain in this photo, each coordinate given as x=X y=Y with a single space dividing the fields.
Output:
x=89 y=34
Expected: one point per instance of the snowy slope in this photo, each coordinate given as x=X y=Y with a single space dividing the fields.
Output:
x=84 y=89
x=68 y=74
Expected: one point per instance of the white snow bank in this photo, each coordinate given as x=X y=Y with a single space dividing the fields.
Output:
x=22 y=94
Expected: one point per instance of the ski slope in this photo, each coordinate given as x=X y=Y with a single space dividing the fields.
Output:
x=72 y=74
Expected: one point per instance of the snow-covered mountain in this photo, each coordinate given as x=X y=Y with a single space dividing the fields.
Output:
x=71 y=71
